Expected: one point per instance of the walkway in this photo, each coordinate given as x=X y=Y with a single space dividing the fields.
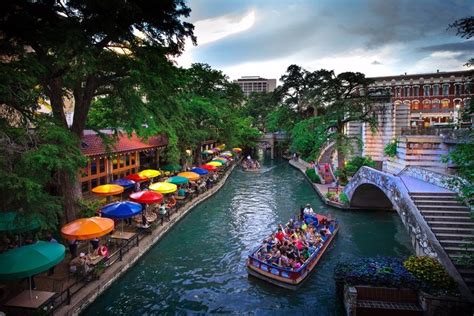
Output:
x=416 y=185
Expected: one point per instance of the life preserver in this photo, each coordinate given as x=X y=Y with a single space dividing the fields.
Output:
x=171 y=203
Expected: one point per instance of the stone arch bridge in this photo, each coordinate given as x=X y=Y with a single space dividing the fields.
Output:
x=269 y=140
x=374 y=189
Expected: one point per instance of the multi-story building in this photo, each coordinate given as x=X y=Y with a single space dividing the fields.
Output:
x=431 y=98
x=250 y=84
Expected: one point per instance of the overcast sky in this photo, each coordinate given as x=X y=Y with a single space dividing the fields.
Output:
x=376 y=37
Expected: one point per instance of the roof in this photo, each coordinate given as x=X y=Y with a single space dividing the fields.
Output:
x=426 y=75
x=92 y=144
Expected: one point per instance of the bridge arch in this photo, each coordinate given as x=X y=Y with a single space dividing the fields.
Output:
x=370 y=196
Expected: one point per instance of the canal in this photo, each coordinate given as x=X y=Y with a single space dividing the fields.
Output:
x=199 y=267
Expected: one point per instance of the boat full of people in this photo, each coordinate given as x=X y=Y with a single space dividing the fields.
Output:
x=250 y=165
x=288 y=256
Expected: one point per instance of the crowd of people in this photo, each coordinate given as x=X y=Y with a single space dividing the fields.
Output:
x=291 y=246
x=250 y=164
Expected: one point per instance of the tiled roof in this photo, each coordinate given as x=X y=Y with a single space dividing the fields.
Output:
x=92 y=144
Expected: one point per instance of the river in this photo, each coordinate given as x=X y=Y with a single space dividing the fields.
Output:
x=199 y=267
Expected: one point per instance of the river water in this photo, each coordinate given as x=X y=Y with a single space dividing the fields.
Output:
x=199 y=267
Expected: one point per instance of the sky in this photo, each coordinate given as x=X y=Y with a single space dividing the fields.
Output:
x=375 y=37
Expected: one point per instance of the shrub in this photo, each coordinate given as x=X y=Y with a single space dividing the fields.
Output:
x=356 y=163
x=331 y=196
x=343 y=198
x=312 y=175
x=390 y=149
x=89 y=208
x=341 y=174
x=433 y=275
x=376 y=271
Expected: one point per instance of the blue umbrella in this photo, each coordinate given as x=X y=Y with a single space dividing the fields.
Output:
x=126 y=183
x=124 y=209
x=200 y=171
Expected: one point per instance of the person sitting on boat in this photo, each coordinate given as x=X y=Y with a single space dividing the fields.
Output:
x=280 y=235
x=327 y=230
x=308 y=209
x=291 y=224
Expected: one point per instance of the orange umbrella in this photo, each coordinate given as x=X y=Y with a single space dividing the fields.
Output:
x=108 y=189
x=87 y=228
x=193 y=176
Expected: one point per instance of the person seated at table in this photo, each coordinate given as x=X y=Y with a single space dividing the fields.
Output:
x=144 y=221
x=80 y=264
x=102 y=251
x=181 y=193
x=95 y=243
x=162 y=212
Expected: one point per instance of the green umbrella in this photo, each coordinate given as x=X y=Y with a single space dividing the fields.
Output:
x=171 y=167
x=178 y=180
x=17 y=223
x=29 y=260
x=220 y=160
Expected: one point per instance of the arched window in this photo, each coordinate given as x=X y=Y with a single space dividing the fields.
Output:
x=426 y=104
x=415 y=105
x=445 y=104
x=435 y=104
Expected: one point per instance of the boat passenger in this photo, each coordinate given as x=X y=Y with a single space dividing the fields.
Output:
x=308 y=209
x=280 y=235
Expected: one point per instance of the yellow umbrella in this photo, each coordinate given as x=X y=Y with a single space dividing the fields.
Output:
x=221 y=147
x=215 y=163
x=237 y=149
x=108 y=189
x=149 y=173
x=190 y=175
x=163 y=187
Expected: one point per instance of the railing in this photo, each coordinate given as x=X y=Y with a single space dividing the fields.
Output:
x=447 y=133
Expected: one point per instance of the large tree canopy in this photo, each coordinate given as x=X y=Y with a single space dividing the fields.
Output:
x=81 y=50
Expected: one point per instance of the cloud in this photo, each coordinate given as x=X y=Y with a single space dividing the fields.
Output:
x=444 y=61
x=466 y=46
x=376 y=62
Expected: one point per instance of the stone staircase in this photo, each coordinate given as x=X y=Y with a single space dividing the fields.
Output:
x=450 y=221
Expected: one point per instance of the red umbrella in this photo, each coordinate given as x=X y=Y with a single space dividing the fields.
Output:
x=147 y=197
x=136 y=177
x=208 y=167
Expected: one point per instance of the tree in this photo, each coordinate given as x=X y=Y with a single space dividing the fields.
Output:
x=259 y=106
x=81 y=50
x=465 y=29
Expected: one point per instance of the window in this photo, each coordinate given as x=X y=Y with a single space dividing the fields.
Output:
x=436 y=89
x=426 y=105
x=93 y=167
x=127 y=160
x=446 y=89
x=406 y=91
x=435 y=104
x=102 y=165
x=426 y=91
x=415 y=91
x=122 y=161
x=457 y=89
x=103 y=180
x=133 y=156
x=94 y=183
x=397 y=92
x=415 y=105
x=445 y=103
x=115 y=163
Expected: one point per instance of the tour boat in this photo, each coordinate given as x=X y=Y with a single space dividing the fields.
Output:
x=247 y=168
x=288 y=277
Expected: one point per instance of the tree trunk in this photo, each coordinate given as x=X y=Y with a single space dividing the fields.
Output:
x=70 y=189
x=341 y=156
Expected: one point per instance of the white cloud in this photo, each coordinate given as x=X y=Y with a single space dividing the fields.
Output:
x=444 y=61
x=215 y=29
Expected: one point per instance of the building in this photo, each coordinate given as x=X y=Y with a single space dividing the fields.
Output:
x=125 y=156
x=250 y=84
x=432 y=99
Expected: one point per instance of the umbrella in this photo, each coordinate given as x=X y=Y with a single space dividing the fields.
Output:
x=221 y=160
x=237 y=149
x=207 y=152
x=221 y=147
x=171 y=167
x=163 y=187
x=149 y=173
x=136 y=177
x=147 y=197
x=28 y=260
x=178 y=180
x=108 y=189
x=208 y=167
x=215 y=150
x=17 y=223
x=125 y=209
x=215 y=164
x=200 y=171
x=192 y=176
x=126 y=183
x=87 y=228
